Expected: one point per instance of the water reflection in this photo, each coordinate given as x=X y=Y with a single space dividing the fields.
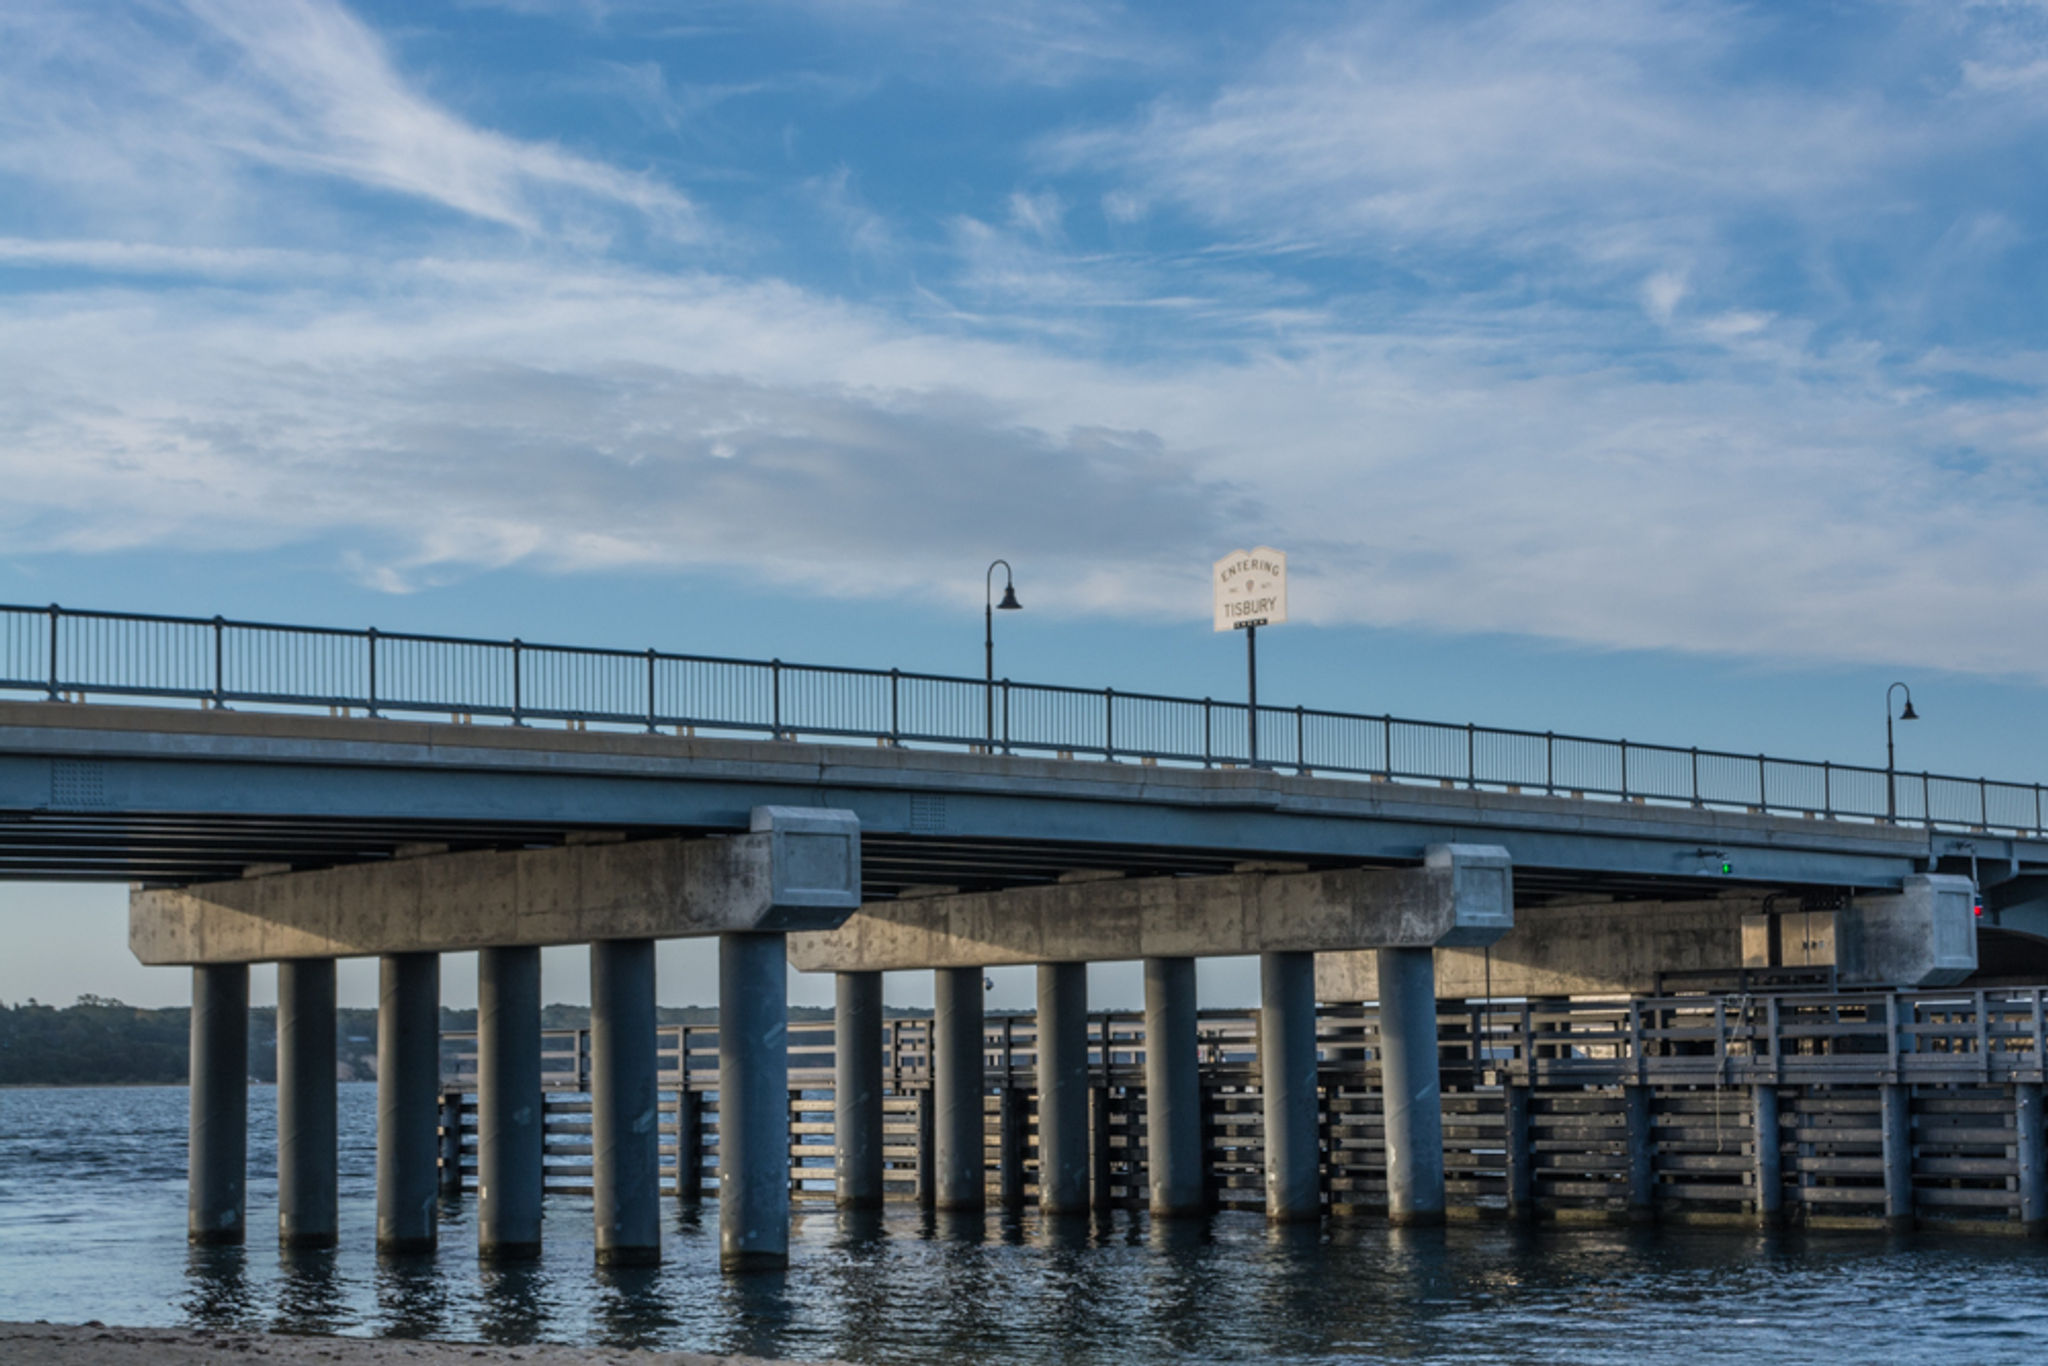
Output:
x=412 y=1296
x=513 y=1305
x=310 y=1294
x=217 y=1287
x=759 y=1309
x=631 y=1306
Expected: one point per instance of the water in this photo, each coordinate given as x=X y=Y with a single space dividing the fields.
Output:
x=92 y=1226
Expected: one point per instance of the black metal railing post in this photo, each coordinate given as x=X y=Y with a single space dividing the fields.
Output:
x=1624 y=770
x=218 y=627
x=1006 y=716
x=1696 y=800
x=1983 y=805
x=1471 y=756
x=371 y=636
x=1549 y=763
x=1109 y=724
x=1208 y=733
x=895 y=707
x=1763 y=796
x=518 y=684
x=1300 y=741
x=1827 y=789
x=56 y=614
x=1926 y=801
x=775 y=696
x=651 y=727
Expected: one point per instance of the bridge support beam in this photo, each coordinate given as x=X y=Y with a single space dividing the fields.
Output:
x=857 y=1089
x=1173 y=1089
x=218 y=1152
x=625 y=1108
x=307 y=1146
x=1063 y=1088
x=957 y=1071
x=753 y=1102
x=1412 y=1089
x=408 y=1101
x=509 y=1127
x=1287 y=1077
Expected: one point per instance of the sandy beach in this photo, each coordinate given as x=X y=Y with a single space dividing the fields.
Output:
x=95 y=1344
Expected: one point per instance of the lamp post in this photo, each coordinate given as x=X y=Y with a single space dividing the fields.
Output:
x=1891 y=781
x=988 y=633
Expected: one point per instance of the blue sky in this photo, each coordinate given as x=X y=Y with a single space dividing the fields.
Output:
x=1664 y=370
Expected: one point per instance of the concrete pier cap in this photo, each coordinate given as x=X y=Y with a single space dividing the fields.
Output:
x=795 y=868
x=1460 y=895
x=1925 y=936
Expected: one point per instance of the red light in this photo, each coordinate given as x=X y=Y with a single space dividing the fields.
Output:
x=1979 y=908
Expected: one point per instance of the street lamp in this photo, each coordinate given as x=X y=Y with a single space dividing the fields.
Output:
x=988 y=632
x=1891 y=781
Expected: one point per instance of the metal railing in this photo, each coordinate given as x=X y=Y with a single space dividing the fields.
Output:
x=64 y=654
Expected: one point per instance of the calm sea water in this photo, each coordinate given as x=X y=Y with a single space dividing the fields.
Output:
x=92 y=1226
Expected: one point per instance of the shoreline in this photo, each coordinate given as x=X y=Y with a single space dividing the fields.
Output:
x=100 y=1344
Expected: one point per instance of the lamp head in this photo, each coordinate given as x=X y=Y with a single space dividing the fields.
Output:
x=1909 y=714
x=1010 y=603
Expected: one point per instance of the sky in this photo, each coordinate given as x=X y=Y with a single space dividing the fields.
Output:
x=1669 y=371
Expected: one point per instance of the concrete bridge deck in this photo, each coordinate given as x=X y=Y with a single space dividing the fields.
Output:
x=169 y=796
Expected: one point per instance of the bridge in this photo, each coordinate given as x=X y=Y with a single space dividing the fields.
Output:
x=291 y=794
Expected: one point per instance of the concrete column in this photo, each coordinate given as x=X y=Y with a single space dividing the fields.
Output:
x=625 y=1104
x=1287 y=1079
x=450 y=1136
x=1770 y=1155
x=1412 y=1090
x=1642 y=1152
x=1521 y=1153
x=1011 y=1141
x=857 y=1090
x=2031 y=1156
x=508 y=1103
x=753 y=1101
x=307 y=1146
x=956 y=1087
x=1173 y=1089
x=1895 y=1119
x=408 y=1097
x=1063 y=1088
x=218 y=1152
x=689 y=1145
x=1101 y=1171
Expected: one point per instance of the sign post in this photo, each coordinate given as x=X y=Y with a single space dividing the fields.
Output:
x=1250 y=592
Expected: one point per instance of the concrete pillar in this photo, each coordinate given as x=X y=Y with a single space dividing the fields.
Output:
x=307 y=1145
x=408 y=1095
x=2030 y=1155
x=451 y=1141
x=926 y=1119
x=509 y=1128
x=689 y=1144
x=1895 y=1119
x=753 y=1101
x=1641 y=1129
x=218 y=1151
x=1412 y=1090
x=1173 y=1089
x=625 y=1104
x=1287 y=1079
x=956 y=1086
x=1101 y=1171
x=1770 y=1155
x=1063 y=1088
x=857 y=1090
x=1011 y=1141
x=1521 y=1152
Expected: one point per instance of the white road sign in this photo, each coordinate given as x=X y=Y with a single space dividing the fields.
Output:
x=1251 y=588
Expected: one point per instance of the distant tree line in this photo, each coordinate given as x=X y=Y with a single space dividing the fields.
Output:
x=96 y=1041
